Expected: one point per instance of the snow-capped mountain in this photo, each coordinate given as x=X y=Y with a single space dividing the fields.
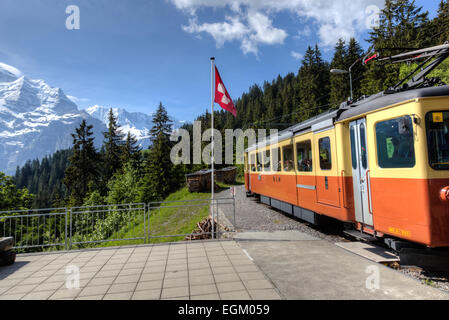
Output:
x=37 y=120
x=137 y=123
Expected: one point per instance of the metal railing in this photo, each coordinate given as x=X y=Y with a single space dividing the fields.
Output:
x=90 y=226
x=36 y=228
x=106 y=223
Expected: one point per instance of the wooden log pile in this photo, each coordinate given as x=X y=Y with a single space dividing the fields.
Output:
x=204 y=230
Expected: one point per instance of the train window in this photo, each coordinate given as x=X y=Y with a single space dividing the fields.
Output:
x=289 y=162
x=259 y=161
x=253 y=163
x=304 y=156
x=267 y=162
x=353 y=149
x=363 y=146
x=325 y=154
x=395 y=143
x=277 y=162
x=437 y=124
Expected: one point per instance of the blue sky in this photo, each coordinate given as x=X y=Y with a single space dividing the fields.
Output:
x=133 y=54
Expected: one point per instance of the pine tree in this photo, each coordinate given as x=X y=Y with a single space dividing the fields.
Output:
x=339 y=84
x=83 y=172
x=354 y=57
x=112 y=147
x=131 y=151
x=158 y=181
x=440 y=25
x=403 y=26
x=313 y=87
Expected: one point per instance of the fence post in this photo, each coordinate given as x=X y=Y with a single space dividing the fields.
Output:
x=66 y=229
x=71 y=228
x=144 y=223
x=218 y=220
x=233 y=206
x=149 y=225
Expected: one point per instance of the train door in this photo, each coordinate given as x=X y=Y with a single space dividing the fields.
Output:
x=360 y=172
x=327 y=178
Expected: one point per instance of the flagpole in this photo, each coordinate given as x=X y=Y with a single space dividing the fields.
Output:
x=212 y=60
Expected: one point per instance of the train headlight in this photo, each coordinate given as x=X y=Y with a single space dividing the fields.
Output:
x=444 y=194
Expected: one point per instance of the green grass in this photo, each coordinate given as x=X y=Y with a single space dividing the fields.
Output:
x=166 y=221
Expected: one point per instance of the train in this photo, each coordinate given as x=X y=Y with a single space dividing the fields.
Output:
x=380 y=165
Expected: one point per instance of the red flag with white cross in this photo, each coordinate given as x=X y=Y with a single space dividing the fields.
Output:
x=222 y=96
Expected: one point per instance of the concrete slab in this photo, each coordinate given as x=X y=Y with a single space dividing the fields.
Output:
x=319 y=270
x=274 y=236
x=369 y=251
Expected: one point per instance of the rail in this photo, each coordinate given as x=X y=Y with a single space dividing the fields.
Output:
x=91 y=226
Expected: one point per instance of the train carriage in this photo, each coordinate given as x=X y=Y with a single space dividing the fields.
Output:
x=380 y=164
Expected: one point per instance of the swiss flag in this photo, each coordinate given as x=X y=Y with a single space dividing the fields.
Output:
x=222 y=96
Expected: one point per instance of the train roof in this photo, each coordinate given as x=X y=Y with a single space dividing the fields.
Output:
x=347 y=111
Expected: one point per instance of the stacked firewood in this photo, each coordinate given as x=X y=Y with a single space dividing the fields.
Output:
x=204 y=230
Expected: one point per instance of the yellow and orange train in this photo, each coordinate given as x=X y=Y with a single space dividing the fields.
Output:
x=381 y=164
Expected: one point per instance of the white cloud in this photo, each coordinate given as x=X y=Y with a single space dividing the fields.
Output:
x=76 y=100
x=251 y=21
x=297 y=55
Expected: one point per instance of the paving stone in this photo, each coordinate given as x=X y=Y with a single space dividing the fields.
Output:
x=252 y=268
x=236 y=295
x=175 y=282
x=122 y=287
x=17 y=296
x=264 y=294
x=118 y=296
x=94 y=290
x=127 y=279
x=186 y=298
x=107 y=273
x=226 y=277
x=258 y=284
x=180 y=267
x=222 y=270
x=230 y=286
x=65 y=293
x=98 y=297
x=251 y=275
x=156 y=269
x=128 y=272
x=200 y=280
x=41 y=295
x=46 y=286
x=176 y=274
x=212 y=296
x=152 y=276
x=147 y=295
x=200 y=272
x=27 y=288
x=203 y=289
x=175 y=292
x=203 y=265
x=149 y=285
x=101 y=281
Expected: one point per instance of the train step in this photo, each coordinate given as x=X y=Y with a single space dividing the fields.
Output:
x=360 y=236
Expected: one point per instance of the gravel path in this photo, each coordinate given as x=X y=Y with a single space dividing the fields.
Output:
x=254 y=216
